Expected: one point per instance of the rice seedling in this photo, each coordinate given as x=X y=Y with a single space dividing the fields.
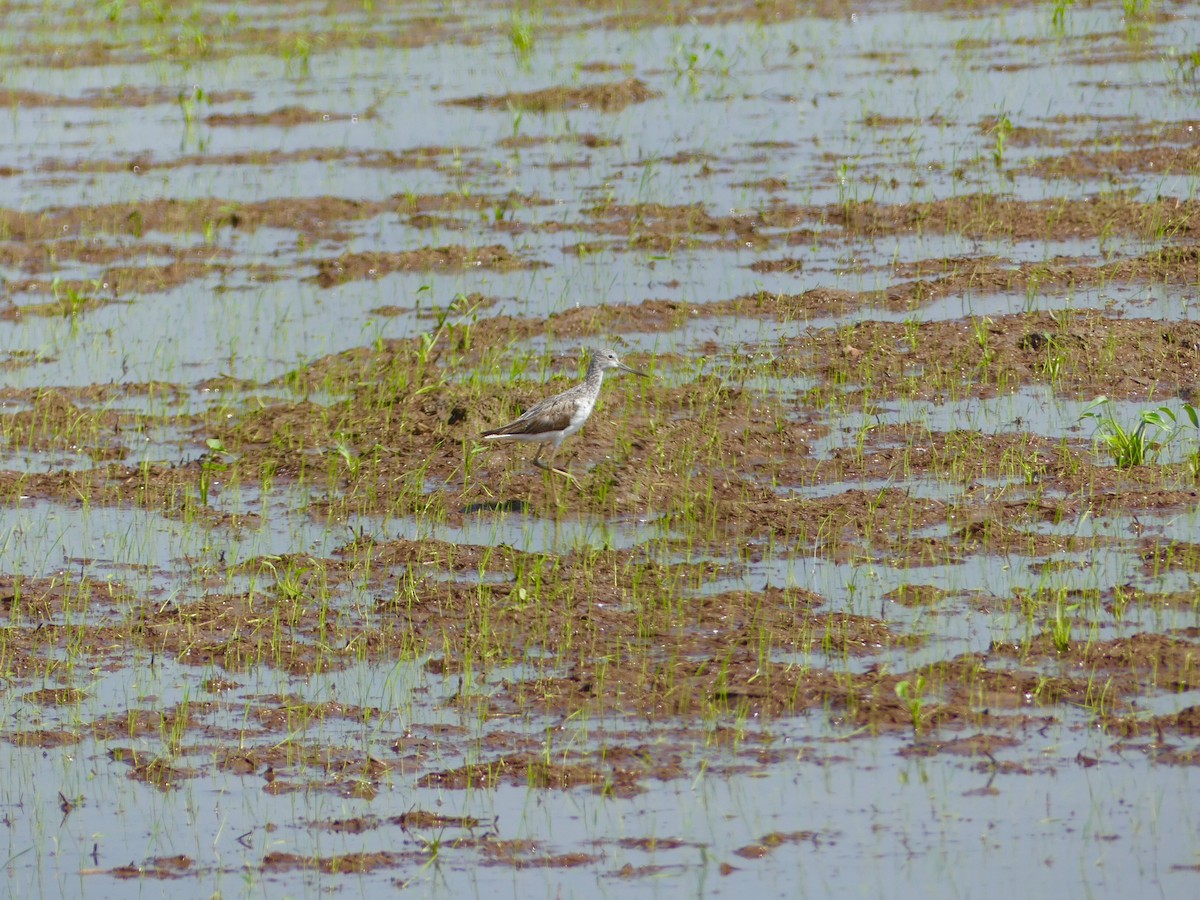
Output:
x=212 y=462
x=1061 y=625
x=296 y=50
x=1142 y=444
x=522 y=34
x=1058 y=16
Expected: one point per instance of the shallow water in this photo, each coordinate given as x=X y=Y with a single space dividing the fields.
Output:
x=883 y=107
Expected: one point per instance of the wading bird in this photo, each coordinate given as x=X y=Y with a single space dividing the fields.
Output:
x=556 y=418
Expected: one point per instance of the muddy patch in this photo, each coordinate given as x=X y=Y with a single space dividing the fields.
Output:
x=356 y=266
x=284 y=117
x=609 y=97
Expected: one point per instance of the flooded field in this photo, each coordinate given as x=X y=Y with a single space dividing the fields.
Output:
x=885 y=582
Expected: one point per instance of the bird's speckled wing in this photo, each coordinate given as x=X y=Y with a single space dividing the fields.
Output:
x=549 y=415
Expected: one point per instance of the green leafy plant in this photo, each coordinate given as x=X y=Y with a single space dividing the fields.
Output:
x=297 y=55
x=981 y=328
x=1058 y=18
x=518 y=115
x=70 y=300
x=1000 y=130
x=522 y=34
x=464 y=309
x=698 y=57
x=1131 y=447
x=1137 y=9
x=1188 y=69
x=345 y=449
x=847 y=195
x=289 y=581
x=210 y=463
x=1060 y=625
x=913 y=694
x=189 y=106
x=1193 y=463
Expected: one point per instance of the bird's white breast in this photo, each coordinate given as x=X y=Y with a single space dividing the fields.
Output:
x=583 y=409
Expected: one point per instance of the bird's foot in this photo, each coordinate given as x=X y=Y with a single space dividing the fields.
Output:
x=563 y=472
x=567 y=475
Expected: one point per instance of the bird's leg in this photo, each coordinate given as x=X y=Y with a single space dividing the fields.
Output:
x=537 y=461
x=547 y=467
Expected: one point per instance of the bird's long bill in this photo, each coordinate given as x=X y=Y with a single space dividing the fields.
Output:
x=631 y=371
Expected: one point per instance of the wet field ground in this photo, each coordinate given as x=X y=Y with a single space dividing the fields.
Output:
x=861 y=592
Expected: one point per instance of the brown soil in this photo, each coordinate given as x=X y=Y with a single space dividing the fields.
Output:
x=123 y=95
x=608 y=97
x=161 y=867
x=113 y=234
x=356 y=266
x=769 y=842
x=284 y=117
x=409 y=158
